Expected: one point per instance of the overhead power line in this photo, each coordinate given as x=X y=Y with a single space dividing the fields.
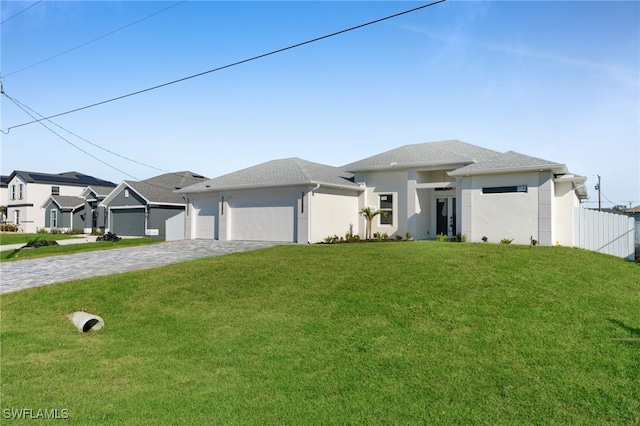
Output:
x=95 y=39
x=40 y=121
x=23 y=10
x=24 y=108
x=244 y=61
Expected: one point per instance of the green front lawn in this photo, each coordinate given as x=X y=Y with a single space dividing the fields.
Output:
x=22 y=238
x=29 y=253
x=389 y=333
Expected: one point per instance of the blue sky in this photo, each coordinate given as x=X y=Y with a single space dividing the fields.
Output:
x=555 y=80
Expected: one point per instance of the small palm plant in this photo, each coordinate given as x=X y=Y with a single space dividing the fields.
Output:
x=370 y=213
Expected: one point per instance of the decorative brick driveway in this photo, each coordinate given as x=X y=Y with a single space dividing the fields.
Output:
x=21 y=274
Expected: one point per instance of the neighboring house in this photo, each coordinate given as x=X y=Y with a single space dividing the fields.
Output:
x=4 y=196
x=634 y=212
x=141 y=208
x=281 y=200
x=81 y=213
x=427 y=189
x=63 y=212
x=29 y=191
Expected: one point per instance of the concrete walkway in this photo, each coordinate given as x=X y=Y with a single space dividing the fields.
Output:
x=21 y=274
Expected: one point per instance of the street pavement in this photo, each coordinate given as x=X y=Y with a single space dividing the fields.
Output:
x=22 y=274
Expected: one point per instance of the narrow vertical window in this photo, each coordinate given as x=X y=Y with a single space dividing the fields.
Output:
x=302 y=202
x=13 y=192
x=20 y=191
x=16 y=217
x=126 y=193
x=54 y=218
x=222 y=207
x=386 y=205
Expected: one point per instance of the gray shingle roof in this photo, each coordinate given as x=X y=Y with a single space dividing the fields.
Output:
x=67 y=202
x=101 y=191
x=509 y=162
x=283 y=172
x=423 y=154
x=160 y=189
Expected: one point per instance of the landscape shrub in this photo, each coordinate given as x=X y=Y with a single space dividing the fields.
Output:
x=506 y=241
x=7 y=227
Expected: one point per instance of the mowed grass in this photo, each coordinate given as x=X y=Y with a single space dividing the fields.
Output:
x=22 y=238
x=388 y=333
x=29 y=253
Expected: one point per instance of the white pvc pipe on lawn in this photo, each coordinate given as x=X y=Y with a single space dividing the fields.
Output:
x=85 y=321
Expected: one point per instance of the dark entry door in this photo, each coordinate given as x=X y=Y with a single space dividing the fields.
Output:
x=446 y=216
x=442 y=216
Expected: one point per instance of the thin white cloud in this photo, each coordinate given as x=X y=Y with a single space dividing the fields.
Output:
x=617 y=72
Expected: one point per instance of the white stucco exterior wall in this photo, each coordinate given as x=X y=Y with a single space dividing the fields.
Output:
x=497 y=216
x=565 y=200
x=388 y=182
x=332 y=212
x=32 y=216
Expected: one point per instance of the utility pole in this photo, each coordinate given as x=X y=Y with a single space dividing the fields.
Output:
x=598 y=188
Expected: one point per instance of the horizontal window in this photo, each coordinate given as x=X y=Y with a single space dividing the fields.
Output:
x=504 y=189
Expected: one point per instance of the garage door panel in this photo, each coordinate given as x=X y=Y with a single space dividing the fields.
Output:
x=263 y=218
x=128 y=223
x=205 y=217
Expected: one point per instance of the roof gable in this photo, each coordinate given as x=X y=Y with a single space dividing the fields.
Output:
x=159 y=189
x=95 y=190
x=282 y=172
x=64 y=202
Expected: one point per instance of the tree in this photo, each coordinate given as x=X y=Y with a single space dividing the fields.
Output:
x=369 y=213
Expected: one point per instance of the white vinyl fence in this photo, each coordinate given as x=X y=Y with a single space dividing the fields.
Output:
x=175 y=227
x=602 y=232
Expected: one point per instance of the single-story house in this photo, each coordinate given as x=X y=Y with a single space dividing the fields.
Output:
x=449 y=187
x=141 y=208
x=63 y=212
x=80 y=213
x=28 y=191
x=281 y=200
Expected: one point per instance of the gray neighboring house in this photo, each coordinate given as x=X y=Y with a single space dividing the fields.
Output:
x=82 y=213
x=139 y=209
x=29 y=191
x=63 y=212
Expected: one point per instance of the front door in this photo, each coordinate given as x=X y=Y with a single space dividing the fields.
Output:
x=446 y=216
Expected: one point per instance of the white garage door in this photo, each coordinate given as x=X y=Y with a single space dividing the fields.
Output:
x=205 y=212
x=263 y=218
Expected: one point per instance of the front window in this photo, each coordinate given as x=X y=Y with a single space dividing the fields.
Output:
x=13 y=192
x=16 y=217
x=54 y=218
x=20 y=191
x=386 y=205
x=55 y=190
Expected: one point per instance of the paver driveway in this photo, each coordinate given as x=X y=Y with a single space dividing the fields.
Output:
x=28 y=273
